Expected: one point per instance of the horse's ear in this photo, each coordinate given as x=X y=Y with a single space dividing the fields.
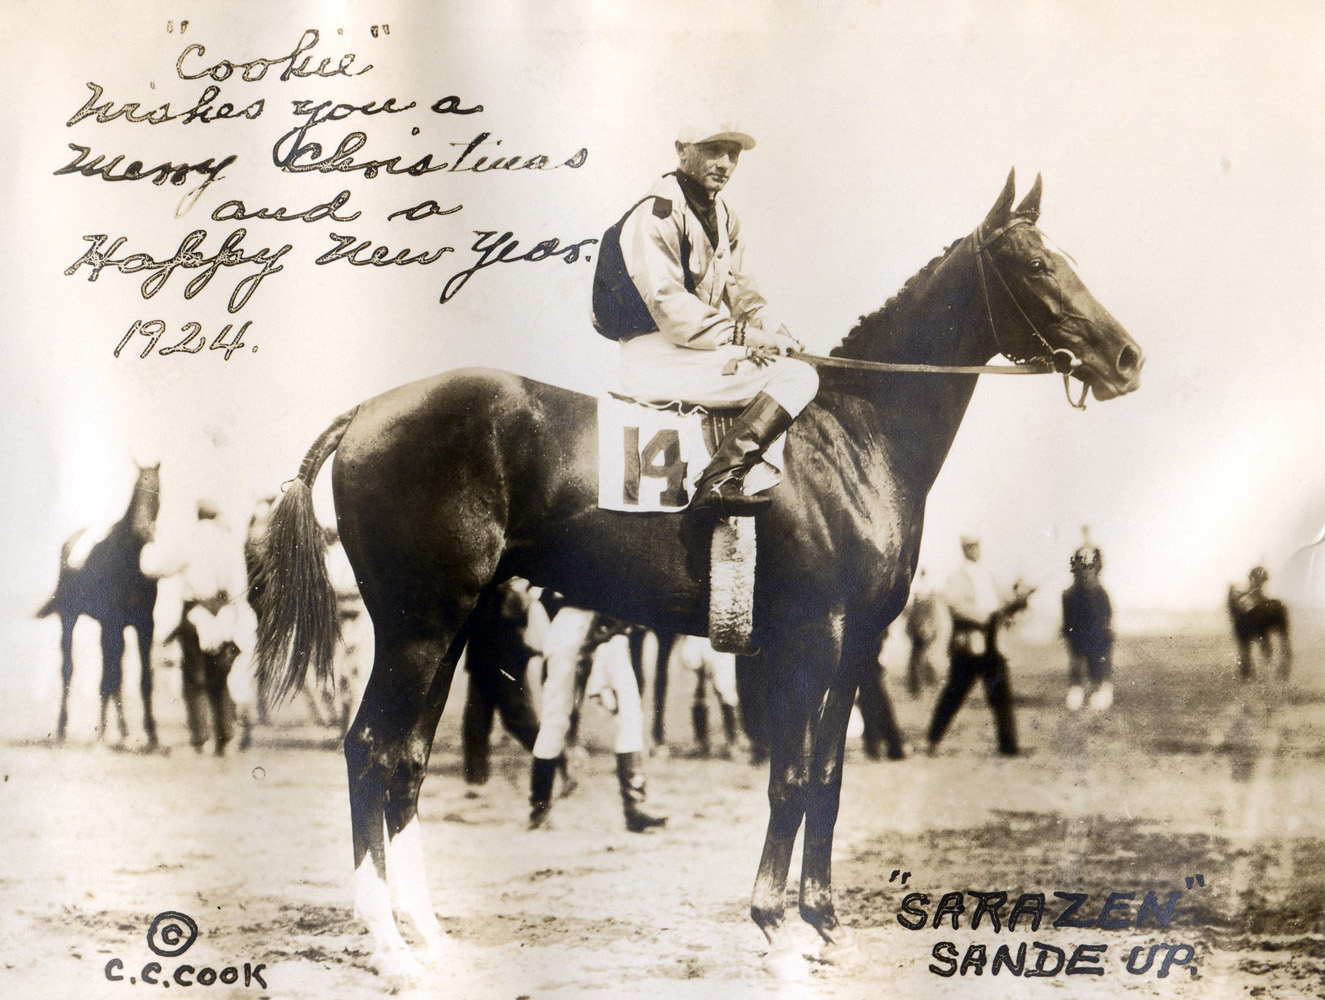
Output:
x=1003 y=207
x=1030 y=205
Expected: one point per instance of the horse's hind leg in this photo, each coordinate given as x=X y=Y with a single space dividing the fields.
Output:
x=112 y=677
x=66 y=670
x=386 y=752
x=406 y=876
x=144 y=633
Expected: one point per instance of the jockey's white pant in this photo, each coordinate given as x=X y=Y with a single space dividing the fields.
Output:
x=653 y=369
x=697 y=654
x=565 y=639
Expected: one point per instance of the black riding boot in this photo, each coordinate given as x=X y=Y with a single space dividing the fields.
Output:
x=632 y=794
x=540 y=790
x=719 y=490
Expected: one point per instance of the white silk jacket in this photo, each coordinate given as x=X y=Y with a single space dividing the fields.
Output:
x=724 y=293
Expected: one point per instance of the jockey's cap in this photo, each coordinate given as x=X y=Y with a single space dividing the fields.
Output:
x=715 y=132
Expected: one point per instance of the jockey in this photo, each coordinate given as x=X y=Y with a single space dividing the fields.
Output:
x=714 y=340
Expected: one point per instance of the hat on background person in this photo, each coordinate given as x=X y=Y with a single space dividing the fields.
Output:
x=715 y=132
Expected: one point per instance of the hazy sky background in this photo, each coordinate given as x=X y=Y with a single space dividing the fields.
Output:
x=1181 y=146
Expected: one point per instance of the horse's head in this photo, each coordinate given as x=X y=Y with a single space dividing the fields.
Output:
x=145 y=504
x=1037 y=307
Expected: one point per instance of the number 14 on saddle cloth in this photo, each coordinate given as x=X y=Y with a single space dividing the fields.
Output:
x=650 y=456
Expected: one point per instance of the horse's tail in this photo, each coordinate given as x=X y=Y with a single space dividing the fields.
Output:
x=296 y=605
x=52 y=606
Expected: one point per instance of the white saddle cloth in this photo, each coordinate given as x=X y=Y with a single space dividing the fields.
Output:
x=650 y=457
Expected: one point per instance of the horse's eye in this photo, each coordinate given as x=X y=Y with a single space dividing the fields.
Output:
x=1037 y=265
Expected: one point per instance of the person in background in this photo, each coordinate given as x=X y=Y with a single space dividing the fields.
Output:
x=1261 y=620
x=978 y=611
x=212 y=582
x=715 y=670
x=577 y=638
x=1088 y=631
x=497 y=662
x=922 y=629
x=880 y=733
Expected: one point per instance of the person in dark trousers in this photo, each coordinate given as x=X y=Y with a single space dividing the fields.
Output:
x=881 y=734
x=211 y=583
x=1088 y=631
x=978 y=612
x=497 y=661
x=922 y=629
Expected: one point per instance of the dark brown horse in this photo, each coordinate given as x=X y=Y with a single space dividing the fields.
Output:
x=446 y=485
x=110 y=587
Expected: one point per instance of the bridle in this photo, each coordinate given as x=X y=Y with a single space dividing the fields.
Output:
x=1046 y=360
x=1060 y=359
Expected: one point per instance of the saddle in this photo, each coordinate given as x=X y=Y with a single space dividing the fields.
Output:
x=649 y=457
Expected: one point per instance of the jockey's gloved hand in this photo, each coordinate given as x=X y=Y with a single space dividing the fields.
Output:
x=780 y=342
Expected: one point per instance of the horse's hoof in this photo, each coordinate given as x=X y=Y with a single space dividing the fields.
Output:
x=787 y=966
x=398 y=965
x=441 y=953
x=842 y=953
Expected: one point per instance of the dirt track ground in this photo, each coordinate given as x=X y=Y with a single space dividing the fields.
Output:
x=1190 y=773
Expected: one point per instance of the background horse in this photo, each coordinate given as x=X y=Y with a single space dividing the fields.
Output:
x=110 y=587
x=1260 y=620
x=447 y=485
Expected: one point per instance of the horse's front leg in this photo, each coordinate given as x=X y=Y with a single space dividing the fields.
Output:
x=1285 y=655
x=1244 y=659
x=824 y=792
x=797 y=670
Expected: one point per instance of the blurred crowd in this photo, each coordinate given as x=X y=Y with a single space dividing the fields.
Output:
x=536 y=663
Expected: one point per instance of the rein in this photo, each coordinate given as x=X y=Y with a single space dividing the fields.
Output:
x=1050 y=361
x=1026 y=368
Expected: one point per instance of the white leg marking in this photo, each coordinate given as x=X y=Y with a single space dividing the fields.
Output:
x=409 y=888
x=372 y=904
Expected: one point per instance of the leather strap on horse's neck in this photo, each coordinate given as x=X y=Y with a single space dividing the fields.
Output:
x=856 y=364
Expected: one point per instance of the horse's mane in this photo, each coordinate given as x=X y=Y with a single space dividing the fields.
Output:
x=876 y=328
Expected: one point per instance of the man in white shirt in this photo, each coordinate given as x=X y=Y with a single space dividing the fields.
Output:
x=212 y=583
x=978 y=611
